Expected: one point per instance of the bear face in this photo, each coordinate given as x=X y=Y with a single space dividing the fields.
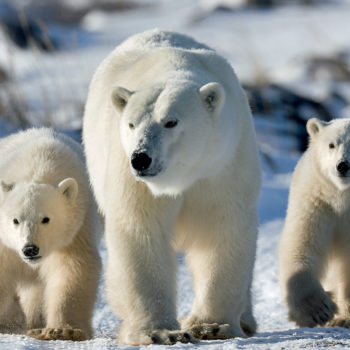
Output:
x=331 y=141
x=168 y=133
x=36 y=218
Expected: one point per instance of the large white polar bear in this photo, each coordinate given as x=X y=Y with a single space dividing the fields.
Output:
x=173 y=160
x=315 y=244
x=48 y=249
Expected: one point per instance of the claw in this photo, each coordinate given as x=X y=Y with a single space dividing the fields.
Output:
x=172 y=339
x=323 y=319
x=155 y=339
x=326 y=306
x=58 y=331
x=216 y=331
x=186 y=336
x=314 y=319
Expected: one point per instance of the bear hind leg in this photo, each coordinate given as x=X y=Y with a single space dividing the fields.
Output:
x=341 y=296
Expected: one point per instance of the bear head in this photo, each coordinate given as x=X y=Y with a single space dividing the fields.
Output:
x=331 y=142
x=169 y=133
x=37 y=219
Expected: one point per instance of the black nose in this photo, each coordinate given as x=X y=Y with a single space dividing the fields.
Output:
x=30 y=251
x=343 y=166
x=140 y=161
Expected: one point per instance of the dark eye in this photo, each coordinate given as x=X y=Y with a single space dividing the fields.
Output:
x=331 y=145
x=45 y=220
x=15 y=221
x=131 y=126
x=170 y=124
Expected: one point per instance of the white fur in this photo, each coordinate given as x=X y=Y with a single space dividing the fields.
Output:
x=315 y=242
x=204 y=192
x=43 y=176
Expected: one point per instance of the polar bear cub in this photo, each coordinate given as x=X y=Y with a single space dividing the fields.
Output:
x=173 y=161
x=48 y=247
x=315 y=245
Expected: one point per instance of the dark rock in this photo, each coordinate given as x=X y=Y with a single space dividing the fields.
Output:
x=25 y=33
x=335 y=68
x=292 y=110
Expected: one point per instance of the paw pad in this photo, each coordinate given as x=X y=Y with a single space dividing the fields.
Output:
x=210 y=331
x=171 y=337
x=56 y=334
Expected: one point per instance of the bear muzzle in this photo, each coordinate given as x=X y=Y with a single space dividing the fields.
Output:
x=31 y=252
x=140 y=161
x=143 y=165
x=343 y=168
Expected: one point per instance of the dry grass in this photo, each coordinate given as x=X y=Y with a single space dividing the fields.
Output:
x=15 y=106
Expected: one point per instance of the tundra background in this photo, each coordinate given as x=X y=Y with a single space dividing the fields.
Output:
x=293 y=58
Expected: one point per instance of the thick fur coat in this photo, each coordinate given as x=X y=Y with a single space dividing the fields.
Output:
x=48 y=245
x=173 y=162
x=315 y=245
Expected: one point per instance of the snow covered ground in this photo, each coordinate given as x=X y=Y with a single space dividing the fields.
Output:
x=261 y=45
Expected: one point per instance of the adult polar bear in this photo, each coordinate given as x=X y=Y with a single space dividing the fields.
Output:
x=173 y=160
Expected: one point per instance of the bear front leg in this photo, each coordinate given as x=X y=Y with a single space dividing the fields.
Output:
x=222 y=278
x=31 y=300
x=219 y=237
x=304 y=250
x=141 y=289
x=12 y=319
x=308 y=303
x=339 y=284
x=141 y=272
x=71 y=287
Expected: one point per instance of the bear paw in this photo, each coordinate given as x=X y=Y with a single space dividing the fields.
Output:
x=210 y=331
x=56 y=334
x=339 y=322
x=312 y=310
x=167 y=337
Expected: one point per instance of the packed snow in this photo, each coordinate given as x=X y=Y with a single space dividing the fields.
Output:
x=261 y=45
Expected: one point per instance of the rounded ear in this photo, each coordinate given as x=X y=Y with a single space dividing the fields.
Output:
x=69 y=188
x=5 y=188
x=314 y=126
x=120 y=97
x=213 y=96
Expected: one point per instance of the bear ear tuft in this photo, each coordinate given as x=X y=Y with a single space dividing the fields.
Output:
x=213 y=96
x=69 y=188
x=120 y=97
x=314 y=126
x=5 y=187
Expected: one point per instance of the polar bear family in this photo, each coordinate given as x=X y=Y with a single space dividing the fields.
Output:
x=173 y=163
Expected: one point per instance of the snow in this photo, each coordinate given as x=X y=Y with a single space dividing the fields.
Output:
x=261 y=45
